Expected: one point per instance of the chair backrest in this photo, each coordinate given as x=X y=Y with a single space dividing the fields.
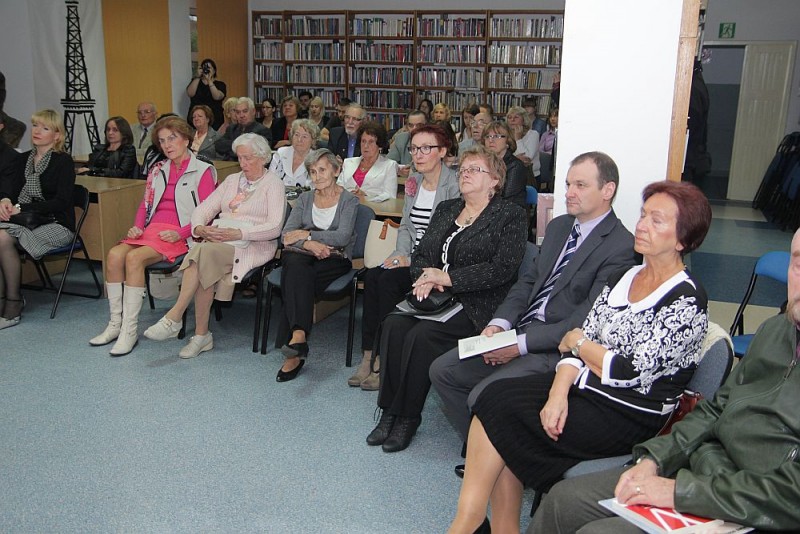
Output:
x=531 y=253
x=713 y=369
x=531 y=195
x=773 y=265
x=80 y=199
x=363 y=217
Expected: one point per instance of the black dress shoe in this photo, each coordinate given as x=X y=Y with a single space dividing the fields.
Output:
x=400 y=437
x=381 y=432
x=285 y=376
x=459 y=470
x=295 y=349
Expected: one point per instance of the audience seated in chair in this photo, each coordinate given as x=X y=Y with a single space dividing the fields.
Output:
x=245 y=112
x=115 y=158
x=370 y=176
x=289 y=162
x=249 y=206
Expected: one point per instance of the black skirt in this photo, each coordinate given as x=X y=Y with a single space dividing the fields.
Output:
x=596 y=427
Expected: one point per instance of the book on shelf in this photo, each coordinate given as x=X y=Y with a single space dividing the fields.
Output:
x=655 y=520
x=547 y=27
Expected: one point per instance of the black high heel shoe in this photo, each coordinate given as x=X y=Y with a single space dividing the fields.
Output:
x=403 y=430
x=295 y=349
x=285 y=376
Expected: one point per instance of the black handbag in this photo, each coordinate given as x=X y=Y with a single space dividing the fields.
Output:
x=435 y=302
x=31 y=219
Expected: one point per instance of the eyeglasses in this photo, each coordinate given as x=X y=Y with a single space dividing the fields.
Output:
x=167 y=140
x=471 y=171
x=424 y=149
x=300 y=136
x=144 y=112
x=351 y=118
x=495 y=136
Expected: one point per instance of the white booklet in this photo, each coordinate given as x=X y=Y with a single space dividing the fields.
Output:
x=477 y=345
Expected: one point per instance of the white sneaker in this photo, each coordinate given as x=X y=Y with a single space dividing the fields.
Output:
x=196 y=345
x=163 y=329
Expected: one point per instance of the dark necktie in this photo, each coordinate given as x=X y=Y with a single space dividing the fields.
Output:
x=144 y=136
x=547 y=288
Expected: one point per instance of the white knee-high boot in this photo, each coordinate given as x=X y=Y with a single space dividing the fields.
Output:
x=114 y=292
x=132 y=300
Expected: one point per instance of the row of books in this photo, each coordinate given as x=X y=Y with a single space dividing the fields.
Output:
x=541 y=27
x=390 y=121
x=525 y=54
x=269 y=73
x=463 y=78
x=380 y=27
x=316 y=51
x=264 y=26
x=329 y=74
x=520 y=79
x=446 y=27
x=396 y=53
x=451 y=53
x=307 y=26
x=383 y=99
x=268 y=50
x=501 y=101
x=382 y=75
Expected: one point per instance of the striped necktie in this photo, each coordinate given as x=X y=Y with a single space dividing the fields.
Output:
x=544 y=293
x=144 y=136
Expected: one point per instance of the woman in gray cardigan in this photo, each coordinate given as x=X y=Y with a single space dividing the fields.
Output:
x=318 y=238
x=387 y=284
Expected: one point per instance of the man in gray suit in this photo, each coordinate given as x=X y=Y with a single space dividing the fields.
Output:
x=399 y=149
x=245 y=112
x=580 y=250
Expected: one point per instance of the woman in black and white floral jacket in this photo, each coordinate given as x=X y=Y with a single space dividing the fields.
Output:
x=619 y=379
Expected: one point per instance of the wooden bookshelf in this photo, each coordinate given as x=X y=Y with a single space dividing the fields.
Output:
x=390 y=60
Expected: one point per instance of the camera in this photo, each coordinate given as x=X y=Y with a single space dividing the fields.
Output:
x=206 y=69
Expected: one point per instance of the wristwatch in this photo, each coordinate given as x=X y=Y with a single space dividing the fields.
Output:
x=309 y=237
x=19 y=208
x=576 y=350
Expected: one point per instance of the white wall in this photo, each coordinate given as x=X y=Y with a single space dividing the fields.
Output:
x=181 y=49
x=617 y=85
x=33 y=36
x=761 y=20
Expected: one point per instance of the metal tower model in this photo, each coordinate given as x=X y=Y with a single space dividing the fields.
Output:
x=78 y=100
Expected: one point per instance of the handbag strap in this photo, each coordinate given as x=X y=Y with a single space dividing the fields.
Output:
x=385 y=229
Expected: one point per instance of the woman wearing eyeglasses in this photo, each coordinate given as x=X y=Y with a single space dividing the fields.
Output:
x=370 y=176
x=288 y=163
x=387 y=284
x=498 y=139
x=473 y=247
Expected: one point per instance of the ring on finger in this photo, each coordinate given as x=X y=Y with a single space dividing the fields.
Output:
x=638 y=490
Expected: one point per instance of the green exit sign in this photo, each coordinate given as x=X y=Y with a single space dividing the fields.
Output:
x=727 y=30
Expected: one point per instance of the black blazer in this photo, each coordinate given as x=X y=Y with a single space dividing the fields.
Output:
x=58 y=181
x=8 y=162
x=516 y=180
x=337 y=143
x=224 y=145
x=116 y=164
x=484 y=261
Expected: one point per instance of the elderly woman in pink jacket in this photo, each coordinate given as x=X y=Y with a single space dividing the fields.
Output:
x=250 y=205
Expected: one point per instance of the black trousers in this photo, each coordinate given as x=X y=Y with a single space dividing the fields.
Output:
x=383 y=289
x=408 y=346
x=303 y=279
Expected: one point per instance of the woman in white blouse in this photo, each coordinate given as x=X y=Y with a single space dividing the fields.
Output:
x=288 y=163
x=519 y=122
x=371 y=176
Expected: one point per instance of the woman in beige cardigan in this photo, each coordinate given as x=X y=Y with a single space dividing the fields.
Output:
x=250 y=205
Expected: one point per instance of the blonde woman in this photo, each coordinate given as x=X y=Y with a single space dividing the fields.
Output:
x=227 y=115
x=42 y=186
x=519 y=122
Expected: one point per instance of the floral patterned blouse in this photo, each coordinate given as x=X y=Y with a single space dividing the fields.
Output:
x=653 y=344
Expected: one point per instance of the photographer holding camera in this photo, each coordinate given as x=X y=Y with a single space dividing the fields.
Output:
x=205 y=89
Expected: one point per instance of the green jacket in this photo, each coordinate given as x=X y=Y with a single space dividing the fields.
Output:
x=736 y=457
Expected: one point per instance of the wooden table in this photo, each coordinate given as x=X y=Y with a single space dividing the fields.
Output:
x=114 y=202
x=391 y=208
x=225 y=169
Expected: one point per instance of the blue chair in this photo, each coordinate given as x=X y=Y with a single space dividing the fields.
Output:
x=712 y=371
x=531 y=196
x=347 y=284
x=80 y=199
x=773 y=265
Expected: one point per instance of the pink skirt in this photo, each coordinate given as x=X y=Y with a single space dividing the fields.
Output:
x=150 y=239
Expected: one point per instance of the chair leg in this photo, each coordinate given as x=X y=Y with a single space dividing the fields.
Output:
x=259 y=307
x=61 y=284
x=265 y=322
x=182 y=332
x=351 y=323
x=217 y=310
x=97 y=283
x=537 y=500
x=147 y=286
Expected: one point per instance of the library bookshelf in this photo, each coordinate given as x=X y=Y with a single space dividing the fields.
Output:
x=390 y=60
